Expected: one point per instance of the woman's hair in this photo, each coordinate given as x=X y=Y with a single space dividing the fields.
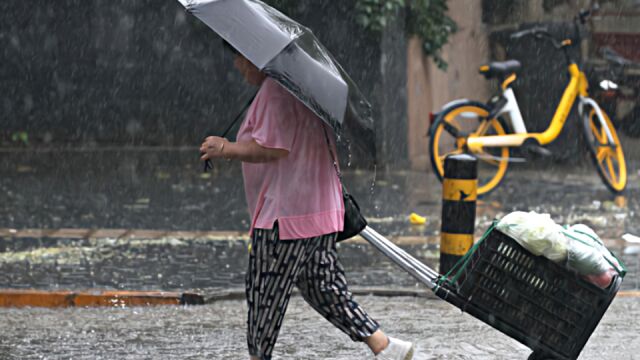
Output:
x=228 y=46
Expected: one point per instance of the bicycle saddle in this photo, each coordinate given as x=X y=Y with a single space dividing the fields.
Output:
x=500 y=68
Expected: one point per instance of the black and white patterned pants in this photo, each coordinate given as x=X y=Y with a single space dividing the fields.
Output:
x=312 y=265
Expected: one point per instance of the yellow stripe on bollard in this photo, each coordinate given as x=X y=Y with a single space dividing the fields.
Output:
x=460 y=190
x=459 y=194
x=455 y=244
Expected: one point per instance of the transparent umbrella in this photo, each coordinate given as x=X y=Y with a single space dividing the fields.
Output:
x=290 y=53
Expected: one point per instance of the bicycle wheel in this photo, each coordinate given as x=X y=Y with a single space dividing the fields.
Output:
x=448 y=137
x=607 y=157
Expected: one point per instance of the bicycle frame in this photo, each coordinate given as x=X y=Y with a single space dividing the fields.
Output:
x=479 y=128
x=577 y=88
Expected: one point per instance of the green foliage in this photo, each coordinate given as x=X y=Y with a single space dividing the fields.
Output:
x=20 y=136
x=375 y=14
x=425 y=18
x=428 y=19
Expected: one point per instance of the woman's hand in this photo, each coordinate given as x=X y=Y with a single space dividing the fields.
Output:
x=213 y=147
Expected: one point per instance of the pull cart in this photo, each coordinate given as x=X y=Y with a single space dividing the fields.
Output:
x=541 y=304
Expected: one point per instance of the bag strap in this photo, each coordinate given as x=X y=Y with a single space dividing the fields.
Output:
x=333 y=158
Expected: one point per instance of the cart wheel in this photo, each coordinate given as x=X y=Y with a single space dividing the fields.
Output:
x=540 y=356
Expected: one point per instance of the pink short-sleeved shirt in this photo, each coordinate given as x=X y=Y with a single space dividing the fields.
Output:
x=302 y=190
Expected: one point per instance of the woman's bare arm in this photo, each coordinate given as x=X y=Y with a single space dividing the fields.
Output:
x=246 y=151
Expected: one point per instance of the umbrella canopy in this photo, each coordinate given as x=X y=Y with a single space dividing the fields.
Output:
x=290 y=53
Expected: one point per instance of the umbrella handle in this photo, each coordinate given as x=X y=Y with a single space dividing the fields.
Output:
x=208 y=165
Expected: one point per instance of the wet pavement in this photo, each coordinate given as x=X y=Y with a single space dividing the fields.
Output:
x=199 y=265
x=166 y=190
x=216 y=331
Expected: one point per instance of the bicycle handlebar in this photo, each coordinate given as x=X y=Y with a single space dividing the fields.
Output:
x=584 y=14
x=612 y=56
x=539 y=33
x=532 y=31
x=543 y=33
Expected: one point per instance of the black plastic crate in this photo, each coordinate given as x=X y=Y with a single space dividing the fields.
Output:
x=543 y=305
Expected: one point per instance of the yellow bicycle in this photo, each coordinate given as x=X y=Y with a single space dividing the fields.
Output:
x=476 y=128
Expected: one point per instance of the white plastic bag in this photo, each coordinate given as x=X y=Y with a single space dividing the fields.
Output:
x=587 y=254
x=579 y=245
x=537 y=233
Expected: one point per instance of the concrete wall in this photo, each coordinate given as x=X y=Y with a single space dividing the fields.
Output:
x=429 y=88
x=111 y=72
x=121 y=72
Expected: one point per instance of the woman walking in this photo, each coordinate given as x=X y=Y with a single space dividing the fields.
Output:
x=295 y=200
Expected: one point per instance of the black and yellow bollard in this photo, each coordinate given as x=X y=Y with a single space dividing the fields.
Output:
x=459 y=193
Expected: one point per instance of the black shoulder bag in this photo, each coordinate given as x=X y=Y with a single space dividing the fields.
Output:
x=354 y=222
